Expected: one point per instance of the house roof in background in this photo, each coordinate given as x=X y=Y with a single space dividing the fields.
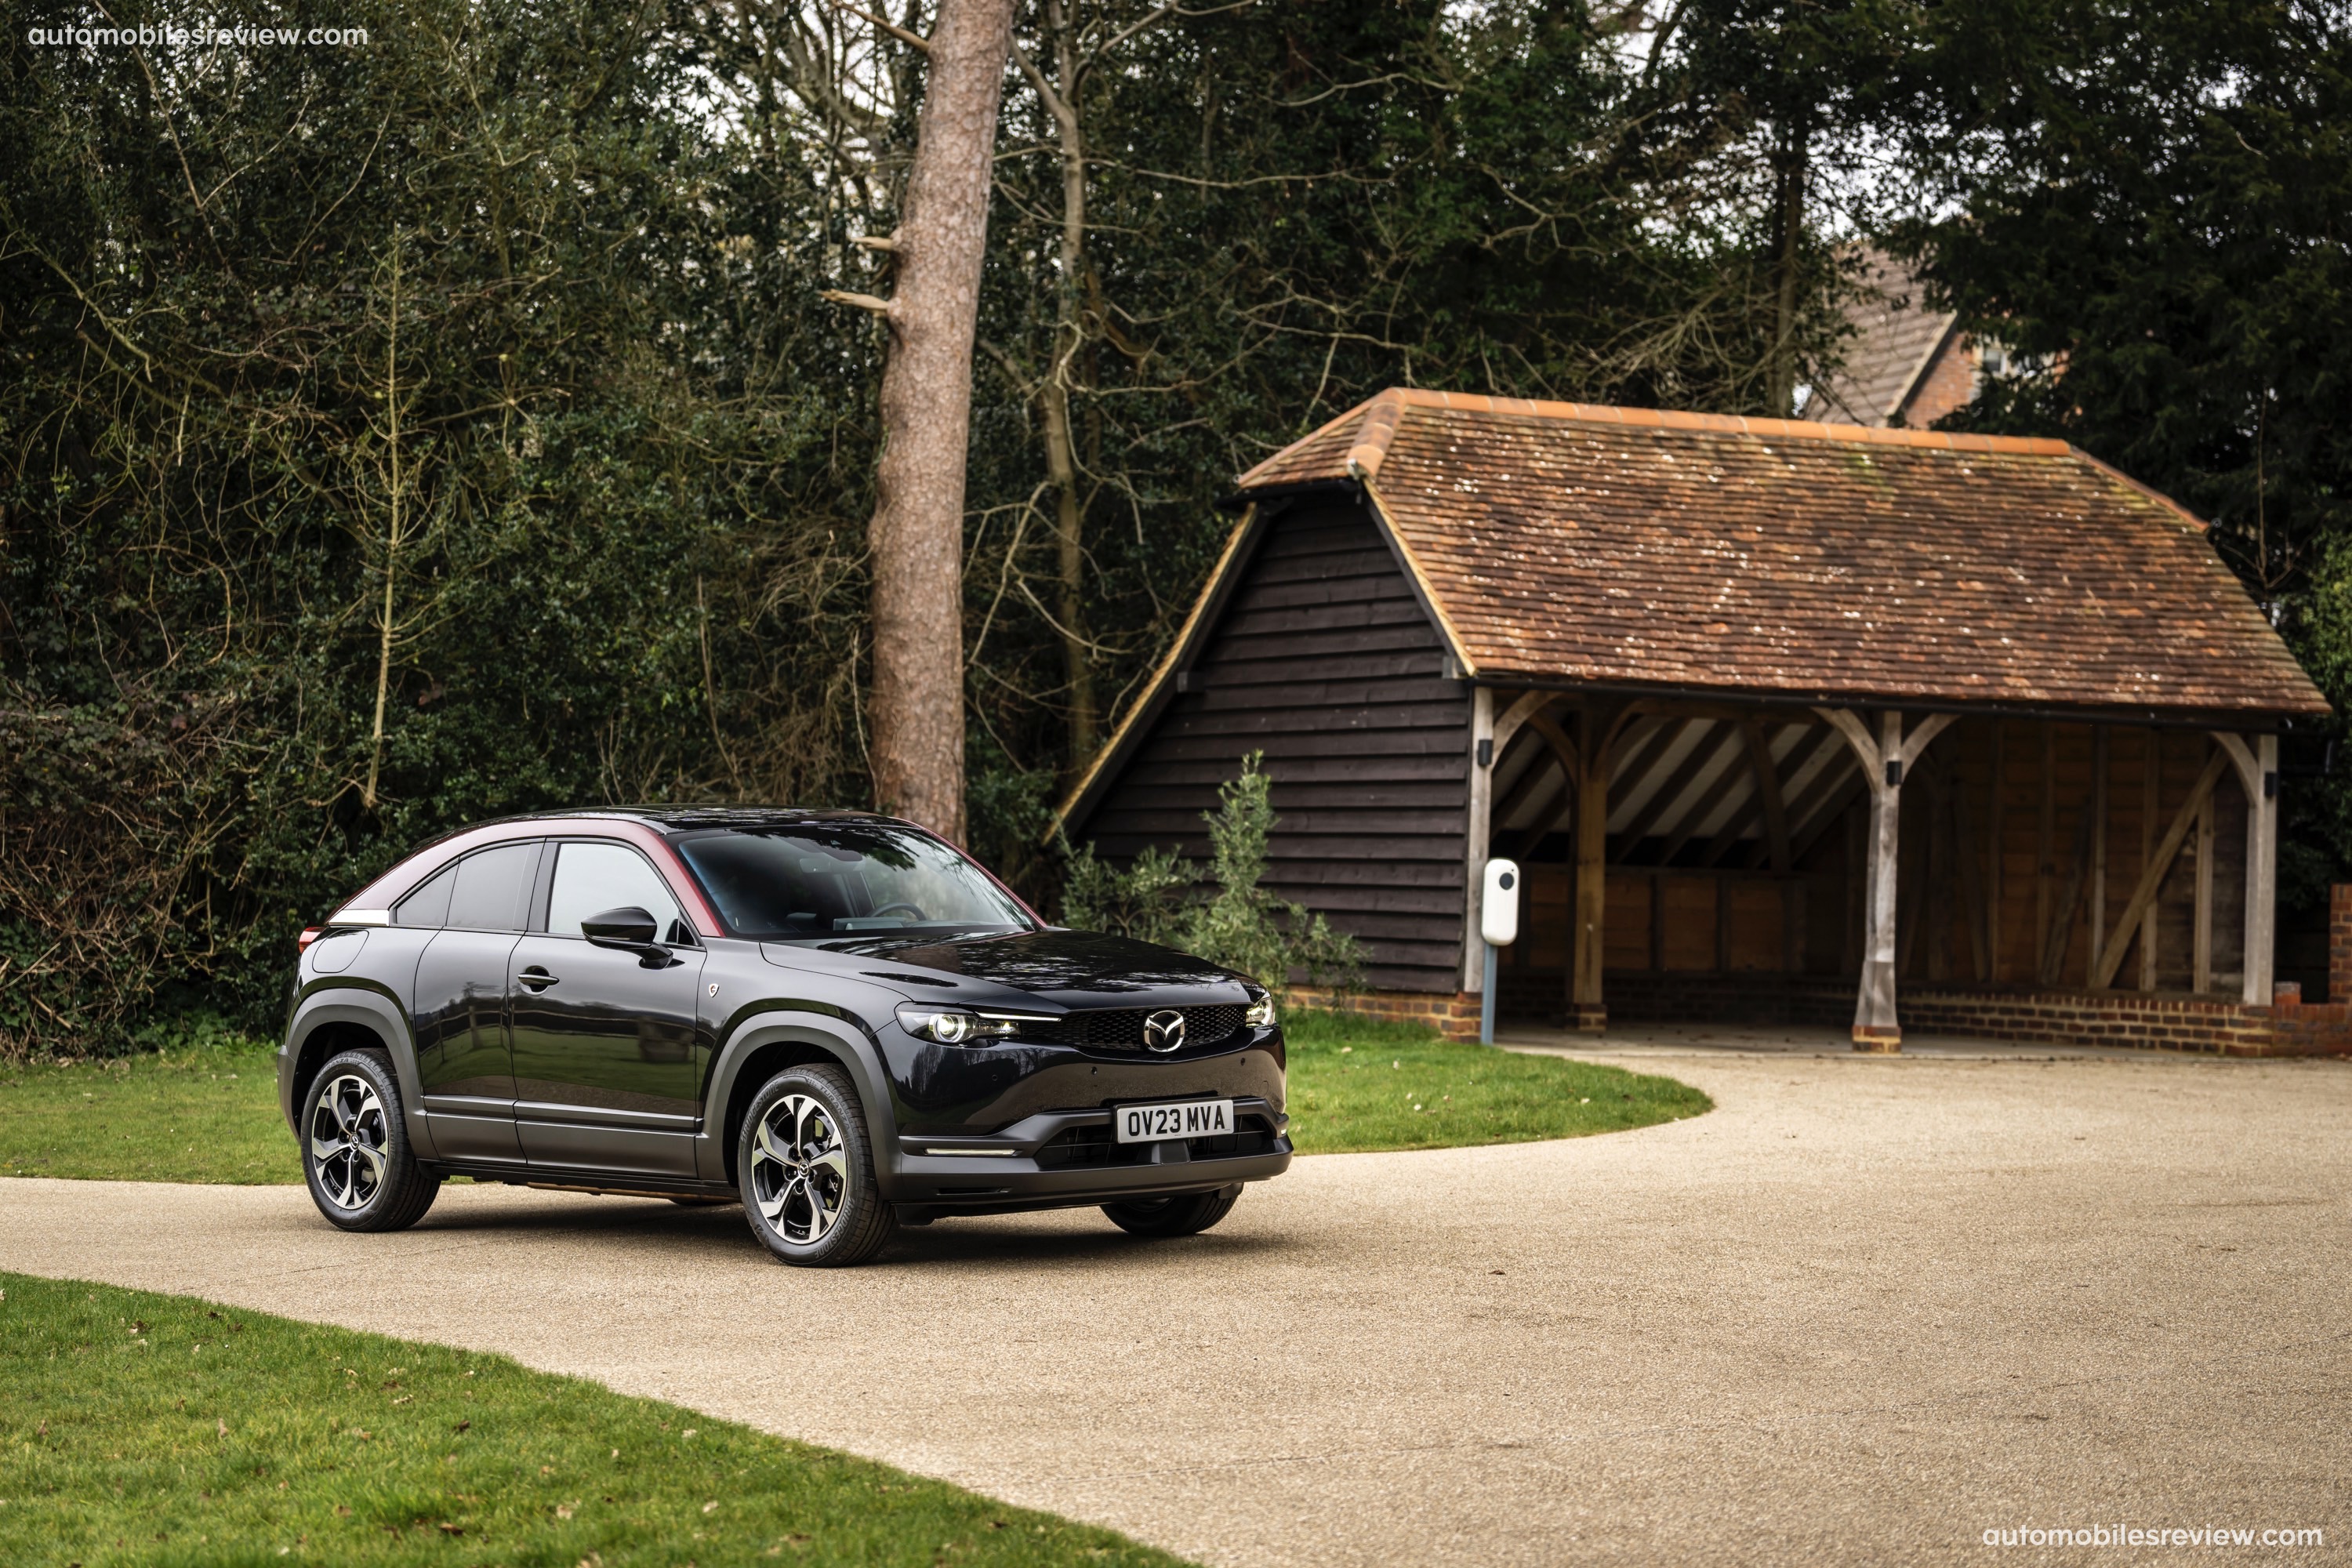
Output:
x=1636 y=548
x=1893 y=343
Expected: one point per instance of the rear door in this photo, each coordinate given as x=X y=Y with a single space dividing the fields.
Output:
x=464 y=1057
x=608 y=1058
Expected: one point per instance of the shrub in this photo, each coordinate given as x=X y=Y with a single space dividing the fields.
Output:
x=1218 y=912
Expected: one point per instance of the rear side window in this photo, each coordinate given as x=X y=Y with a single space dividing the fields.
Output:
x=591 y=879
x=492 y=891
x=429 y=905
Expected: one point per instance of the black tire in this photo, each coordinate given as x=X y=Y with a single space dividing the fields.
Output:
x=808 y=1188
x=1186 y=1214
x=355 y=1154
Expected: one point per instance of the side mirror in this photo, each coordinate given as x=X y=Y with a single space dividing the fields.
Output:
x=630 y=929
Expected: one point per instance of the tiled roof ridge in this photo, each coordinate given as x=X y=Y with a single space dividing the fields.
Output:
x=1381 y=412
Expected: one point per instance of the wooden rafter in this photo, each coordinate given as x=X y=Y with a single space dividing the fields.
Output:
x=1686 y=828
x=1663 y=798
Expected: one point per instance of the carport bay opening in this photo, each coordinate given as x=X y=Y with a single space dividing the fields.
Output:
x=1695 y=673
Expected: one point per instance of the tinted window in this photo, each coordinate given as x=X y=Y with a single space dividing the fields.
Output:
x=429 y=905
x=820 y=880
x=493 y=888
x=593 y=878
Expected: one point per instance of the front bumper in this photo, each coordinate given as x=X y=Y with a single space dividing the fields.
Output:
x=1058 y=1159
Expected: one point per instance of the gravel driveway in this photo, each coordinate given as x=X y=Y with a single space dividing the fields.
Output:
x=1864 y=1311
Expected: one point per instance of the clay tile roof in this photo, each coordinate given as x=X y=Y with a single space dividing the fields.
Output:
x=1625 y=546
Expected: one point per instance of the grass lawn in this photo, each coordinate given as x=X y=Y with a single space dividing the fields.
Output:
x=1358 y=1085
x=150 y=1429
x=202 y=1109
x=206 y=1110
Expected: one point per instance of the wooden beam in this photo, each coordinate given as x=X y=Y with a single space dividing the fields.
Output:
x=1637 y=772
x=1564 y=752
x=2098 y=846
x=1586 y=1009
x=2261 y=873
x=2151 y=801
x=1687 y=829
x=1908 y=888
x=1767 y=785
x=2151 y=876
x=2201 y=946
x=1941 y=879
x=2045 y=847
x=1994 y=814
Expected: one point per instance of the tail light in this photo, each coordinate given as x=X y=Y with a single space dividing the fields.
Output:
x=310 y=934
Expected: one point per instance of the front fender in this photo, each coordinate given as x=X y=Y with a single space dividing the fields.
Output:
x=838 y=1039
x=368 y=1005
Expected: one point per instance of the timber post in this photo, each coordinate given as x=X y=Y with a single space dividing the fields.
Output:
x=1486 y=750
x=2257 y=769
x=1884 y=758
x=1588 y=1012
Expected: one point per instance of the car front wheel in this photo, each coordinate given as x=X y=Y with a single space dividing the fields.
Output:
x=1187 y=1214
x=355 y=1154
x=806 y=1166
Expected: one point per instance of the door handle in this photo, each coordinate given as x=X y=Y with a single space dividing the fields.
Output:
x=538 y=979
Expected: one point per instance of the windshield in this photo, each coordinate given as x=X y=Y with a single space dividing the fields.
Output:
x=819 y=879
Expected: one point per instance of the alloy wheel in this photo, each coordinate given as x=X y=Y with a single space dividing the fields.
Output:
x=348 y=1134
x=800 y=1170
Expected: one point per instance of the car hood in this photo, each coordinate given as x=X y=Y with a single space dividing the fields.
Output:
x=1068 y=968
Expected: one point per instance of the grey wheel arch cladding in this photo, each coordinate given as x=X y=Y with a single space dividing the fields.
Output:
x=380 y=1016
x=852 y=1052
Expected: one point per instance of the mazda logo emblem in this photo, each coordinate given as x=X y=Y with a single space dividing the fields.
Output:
x=1164 y=1030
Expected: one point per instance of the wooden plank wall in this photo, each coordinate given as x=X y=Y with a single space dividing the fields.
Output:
x=2010 y=873
x=1323 y=659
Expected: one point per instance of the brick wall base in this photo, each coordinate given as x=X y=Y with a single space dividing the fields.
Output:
x=2287 y=1028
x=1454 y=1016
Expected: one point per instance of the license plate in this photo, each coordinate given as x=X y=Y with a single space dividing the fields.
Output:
x=1185 y=1118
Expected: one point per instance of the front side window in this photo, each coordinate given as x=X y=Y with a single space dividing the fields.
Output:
x=591 y=879
x=825 y=880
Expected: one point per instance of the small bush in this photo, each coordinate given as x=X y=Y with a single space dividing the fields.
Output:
x=1218 y=912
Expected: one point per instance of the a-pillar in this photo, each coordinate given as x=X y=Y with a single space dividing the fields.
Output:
x=1884 y=759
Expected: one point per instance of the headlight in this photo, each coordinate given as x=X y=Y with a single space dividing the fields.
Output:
x=1260 y=1015
x=950 y=1025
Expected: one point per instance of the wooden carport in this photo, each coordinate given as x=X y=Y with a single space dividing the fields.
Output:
x=1774 y=710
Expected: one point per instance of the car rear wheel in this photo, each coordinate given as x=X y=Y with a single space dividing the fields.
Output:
x=806 y=1166
x=355 y=1154
x=1187 y=1214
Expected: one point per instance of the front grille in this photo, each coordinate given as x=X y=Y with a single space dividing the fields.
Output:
x=1122 y=1028
x=1080 y=1147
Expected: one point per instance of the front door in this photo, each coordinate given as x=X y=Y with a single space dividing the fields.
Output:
x=463 y=1063
x=608 y=1061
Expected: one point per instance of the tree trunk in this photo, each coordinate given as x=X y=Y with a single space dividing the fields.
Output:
x=917 y=529
x=1790 y=200
x=1060 y=97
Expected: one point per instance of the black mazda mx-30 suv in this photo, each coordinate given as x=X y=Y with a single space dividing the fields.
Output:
x=834 y=1016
